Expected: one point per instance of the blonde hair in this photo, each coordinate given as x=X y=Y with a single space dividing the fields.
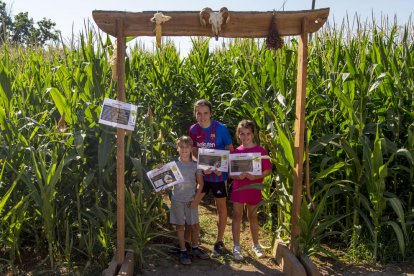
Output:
x=249 y=124
x=184 y=140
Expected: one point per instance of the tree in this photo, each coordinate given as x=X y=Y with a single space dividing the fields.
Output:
x=5 y=22
x=23 y=31
x=22 y=28
x=46 y=31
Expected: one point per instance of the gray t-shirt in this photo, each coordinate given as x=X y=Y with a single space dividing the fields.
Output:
x=185 y=191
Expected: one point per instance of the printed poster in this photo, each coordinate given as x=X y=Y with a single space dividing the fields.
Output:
x=165 y=177
x=213 y=159
x=245 y=162
x=118 y=114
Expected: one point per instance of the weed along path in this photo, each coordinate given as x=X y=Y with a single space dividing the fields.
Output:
x=223 y=265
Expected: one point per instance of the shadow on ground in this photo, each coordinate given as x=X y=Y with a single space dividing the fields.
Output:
x=168 y=264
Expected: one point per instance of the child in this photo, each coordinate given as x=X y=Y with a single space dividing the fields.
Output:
x=185 y=199
x=209 y=133
x=251 y=197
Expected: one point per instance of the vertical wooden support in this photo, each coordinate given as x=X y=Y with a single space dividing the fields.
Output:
x=299 y=135
x=120 y=150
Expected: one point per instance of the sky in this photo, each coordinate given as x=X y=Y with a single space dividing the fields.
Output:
x=70 y=16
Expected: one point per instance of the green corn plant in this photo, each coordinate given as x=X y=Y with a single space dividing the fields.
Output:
x=143 y=217
x=68 y=243
x=47 y=170
x=13 y=219
x=315 y=227
x=270 y=196
x=376 y=172
x=280 y=146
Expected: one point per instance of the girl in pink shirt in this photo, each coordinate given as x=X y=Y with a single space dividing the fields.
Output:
x=251 y=197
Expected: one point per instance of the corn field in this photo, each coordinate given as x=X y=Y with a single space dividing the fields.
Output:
x=57 y=164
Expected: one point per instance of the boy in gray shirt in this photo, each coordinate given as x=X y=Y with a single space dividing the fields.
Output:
x=185 y=199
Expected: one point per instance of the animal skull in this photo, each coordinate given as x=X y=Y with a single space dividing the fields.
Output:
x=159 y=18
x=216 y=19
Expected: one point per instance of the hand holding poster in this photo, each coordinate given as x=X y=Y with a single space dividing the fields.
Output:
x=166 y=176
x=118 y=114
x=245 y=162
x=213 y=159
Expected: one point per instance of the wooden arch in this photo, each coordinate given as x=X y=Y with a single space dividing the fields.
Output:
x=241 y=25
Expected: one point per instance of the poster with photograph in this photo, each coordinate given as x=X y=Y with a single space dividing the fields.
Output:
x=245 y=162
x=213 y=159
x=118 y=114
x=165 y=177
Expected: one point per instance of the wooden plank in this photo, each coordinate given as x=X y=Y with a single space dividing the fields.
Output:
x=291 y=266
x=187 y=23
x=299 y=136
x=120 y=151
x=310 y=268
x=111 y=269
x=127 y=268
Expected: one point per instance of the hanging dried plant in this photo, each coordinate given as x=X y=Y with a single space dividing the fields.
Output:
x=113 y=62
x=273 y=40
x=61 y=125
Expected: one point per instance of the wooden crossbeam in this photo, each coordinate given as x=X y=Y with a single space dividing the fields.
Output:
x=187 y=23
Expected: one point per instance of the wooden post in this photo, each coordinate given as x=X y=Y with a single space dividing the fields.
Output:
x=299 y=135
x=120 y=149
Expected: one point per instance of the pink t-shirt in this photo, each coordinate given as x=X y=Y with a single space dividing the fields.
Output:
x=249 y=196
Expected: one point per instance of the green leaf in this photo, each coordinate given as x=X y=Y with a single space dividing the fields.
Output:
x=322 y=142
x=335 y=167
x=61 y=104
x=138 y=167
x=377 y=82
x=399 y=234
x=285 y=143
x=398 y=209
x=6 y=196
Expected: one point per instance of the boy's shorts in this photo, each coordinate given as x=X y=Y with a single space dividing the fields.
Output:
x=180 y=214
x=219 y=189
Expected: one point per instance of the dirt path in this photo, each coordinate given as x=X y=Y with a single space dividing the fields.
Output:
x=251 y=265
x=224 y=265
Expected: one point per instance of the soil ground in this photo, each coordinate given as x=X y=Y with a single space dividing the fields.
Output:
x=223 y=265
x=341 y=266
x=251 y=265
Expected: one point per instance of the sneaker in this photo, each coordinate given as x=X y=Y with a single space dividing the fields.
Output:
x=218 y=249
x=175 y=249
x=197 y=251
x=258 y=250
x=237 y=253
x=185 y=258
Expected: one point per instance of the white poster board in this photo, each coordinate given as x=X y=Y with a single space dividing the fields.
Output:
x=245 y=162
x=165 y=177
x=213 y=159
x=118 y=114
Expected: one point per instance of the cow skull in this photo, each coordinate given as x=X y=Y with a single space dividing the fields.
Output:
x=159 y=18
x=216 y=19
